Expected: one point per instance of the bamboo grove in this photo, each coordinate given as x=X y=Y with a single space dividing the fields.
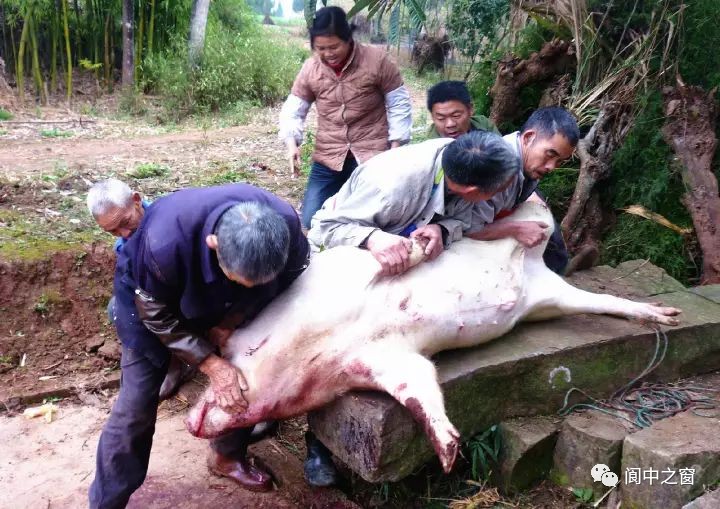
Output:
x=42 y=41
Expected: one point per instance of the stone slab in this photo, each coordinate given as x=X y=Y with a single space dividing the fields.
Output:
x=709 y=500
x=683 y=449
x=710 y=292
x=527 y=372
x=585 y=440
x=631 y=279
x=526 y=451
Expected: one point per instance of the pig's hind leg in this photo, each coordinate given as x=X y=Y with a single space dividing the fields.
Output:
x=550 y=296
x=411 y=379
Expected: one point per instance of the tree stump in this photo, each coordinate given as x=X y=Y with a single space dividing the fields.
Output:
x=690 y=130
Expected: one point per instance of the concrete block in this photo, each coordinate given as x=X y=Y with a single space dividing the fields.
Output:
x=526 y=452
x=709 y=500
x=585 y=440
x=675 y=459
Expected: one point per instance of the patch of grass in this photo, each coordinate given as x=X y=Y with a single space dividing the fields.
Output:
x=225 y=174
x=5 y=114
x=149 y=170
x=88 y=110
x=55 y=133
x=28 y=236
x=484 y=451
x=3 y=132
x=46 y=302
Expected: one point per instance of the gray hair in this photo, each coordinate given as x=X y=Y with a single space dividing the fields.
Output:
x=108 y=194
x=480 y=158
x=253 y=241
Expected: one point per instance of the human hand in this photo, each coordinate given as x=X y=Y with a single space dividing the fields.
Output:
x=431 y=235
x=293 y=155
x=530 y=233
x=391 y=251
x=226 y=383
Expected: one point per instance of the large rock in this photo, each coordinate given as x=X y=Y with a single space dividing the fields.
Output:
x=707 y=501
x=683 y=449
x=710 y=292
x=587 y=439
x=527 y=372
x=526 y=452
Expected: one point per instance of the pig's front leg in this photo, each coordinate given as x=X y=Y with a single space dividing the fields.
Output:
x=411 y=379
x=550 y=296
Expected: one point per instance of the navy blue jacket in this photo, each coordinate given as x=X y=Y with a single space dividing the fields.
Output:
x=168 y=258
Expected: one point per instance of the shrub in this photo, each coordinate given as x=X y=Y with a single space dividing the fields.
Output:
x=5 y=114
x=250 y=66
x=148 y=170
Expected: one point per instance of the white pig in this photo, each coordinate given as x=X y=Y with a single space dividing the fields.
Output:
x=339 y=328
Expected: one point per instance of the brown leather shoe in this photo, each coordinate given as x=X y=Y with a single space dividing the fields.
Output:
x=242 y=472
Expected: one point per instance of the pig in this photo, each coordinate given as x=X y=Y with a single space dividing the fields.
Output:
x=340 y=327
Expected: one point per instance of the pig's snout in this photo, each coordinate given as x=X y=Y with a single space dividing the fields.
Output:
x=207 y=420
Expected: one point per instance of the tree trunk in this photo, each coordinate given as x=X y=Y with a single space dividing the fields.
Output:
x=68 y=62
x=555 y=57
x=586 y=221
x=20 y=68
x=139 y=39
x=690 y=130
x=128 y=68
x=198 y=22
x=107 y=61
x=37 y=75
x=151 y=27
x=54 y=35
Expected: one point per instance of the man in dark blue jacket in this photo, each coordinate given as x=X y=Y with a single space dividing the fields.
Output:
x=201 y=262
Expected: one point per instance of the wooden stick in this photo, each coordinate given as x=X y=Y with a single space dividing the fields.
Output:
x=81 y=121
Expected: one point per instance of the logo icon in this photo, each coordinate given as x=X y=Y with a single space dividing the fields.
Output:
x=602 y=473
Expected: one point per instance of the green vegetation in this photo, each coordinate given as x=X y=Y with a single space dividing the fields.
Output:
x=5 y=114
x=484 y=451
x=234 y=72
x=306 y=152
x=29 y=238
x=149 y=170
x=55 y=133
x=46 y=302
x=226 y=174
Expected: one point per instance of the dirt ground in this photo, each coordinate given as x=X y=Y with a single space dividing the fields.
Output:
x=50 y=465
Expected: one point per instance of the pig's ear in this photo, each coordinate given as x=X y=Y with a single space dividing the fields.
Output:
x=211 y=241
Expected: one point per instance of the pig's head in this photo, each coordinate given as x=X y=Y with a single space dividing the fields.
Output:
x=207 y=420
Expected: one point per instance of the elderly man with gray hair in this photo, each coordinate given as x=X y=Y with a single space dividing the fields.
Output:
x=202 y=261
x=425 y=191
x=118 y=210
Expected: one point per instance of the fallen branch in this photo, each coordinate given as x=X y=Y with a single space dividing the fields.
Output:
x=74 y=121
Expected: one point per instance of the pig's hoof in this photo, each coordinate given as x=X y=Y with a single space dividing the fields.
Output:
x=446 y=442
x=655 y=312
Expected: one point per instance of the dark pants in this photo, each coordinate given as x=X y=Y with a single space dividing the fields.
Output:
x=322 y=184
x=124 y=448
x=556 y=256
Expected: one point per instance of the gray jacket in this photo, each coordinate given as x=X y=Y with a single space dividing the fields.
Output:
x=390 y=192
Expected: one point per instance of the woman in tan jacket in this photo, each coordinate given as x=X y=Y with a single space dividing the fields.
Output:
x=363 y=107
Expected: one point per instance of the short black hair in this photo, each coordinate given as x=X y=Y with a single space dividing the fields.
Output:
x=480 y=158
x=448 y=91
x=553 y=120
x=330 y=21
x=253 y=241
